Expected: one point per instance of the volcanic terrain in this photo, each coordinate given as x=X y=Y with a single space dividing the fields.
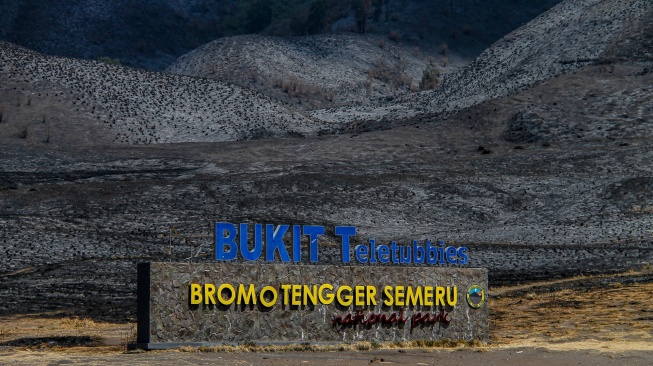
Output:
x=537 y=156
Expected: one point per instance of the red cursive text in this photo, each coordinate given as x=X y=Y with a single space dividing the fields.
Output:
x=371 y=318
x=428 y=318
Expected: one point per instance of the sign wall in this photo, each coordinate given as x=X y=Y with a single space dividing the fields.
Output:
x=226 y=302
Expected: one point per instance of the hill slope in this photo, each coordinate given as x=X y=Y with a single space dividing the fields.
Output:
x=137 y=106
x=570 y=36
x=314 y=70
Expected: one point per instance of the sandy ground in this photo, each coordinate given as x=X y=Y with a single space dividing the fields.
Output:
x=511 y=356
x=598 y=320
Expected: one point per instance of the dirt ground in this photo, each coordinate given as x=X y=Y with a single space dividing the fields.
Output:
x=598 y=320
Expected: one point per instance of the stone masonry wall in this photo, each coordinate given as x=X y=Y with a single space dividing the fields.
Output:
x=172 y=320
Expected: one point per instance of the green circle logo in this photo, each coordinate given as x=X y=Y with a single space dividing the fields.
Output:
x=475 y=296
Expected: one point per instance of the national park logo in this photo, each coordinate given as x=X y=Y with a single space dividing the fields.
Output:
x=475 y=296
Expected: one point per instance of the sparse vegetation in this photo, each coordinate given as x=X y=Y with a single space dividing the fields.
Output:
x=295 y=88
x=77 y=323
x=394 y=74
x=128 y=337
x=404 y=80
x=277 y=81
x=109 y=60
x=430 y=77
x=394 y=36
x=367 y=85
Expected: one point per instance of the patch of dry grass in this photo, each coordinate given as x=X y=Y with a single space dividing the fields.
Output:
x=613 y=312
x=76 y=323
x=55 y=325
x=355 y=346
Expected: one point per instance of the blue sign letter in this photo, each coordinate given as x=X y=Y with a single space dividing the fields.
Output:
x=313 y=232
x=254 y=254
x=345 y=232
x=221 y=241
x=274 y=241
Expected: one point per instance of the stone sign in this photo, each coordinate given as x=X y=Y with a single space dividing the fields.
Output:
x=215 y=303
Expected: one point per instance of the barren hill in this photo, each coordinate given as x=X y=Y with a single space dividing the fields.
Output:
x=314 y=70
x=570 y=36
x=130 y=105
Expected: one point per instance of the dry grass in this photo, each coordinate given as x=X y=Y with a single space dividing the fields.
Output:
x=55 y=324
x=614 y=312
x=77 y=323
x=430 y=78
x=393 y=74
x=355 y=346
x=646 y=209
x=296 y=88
